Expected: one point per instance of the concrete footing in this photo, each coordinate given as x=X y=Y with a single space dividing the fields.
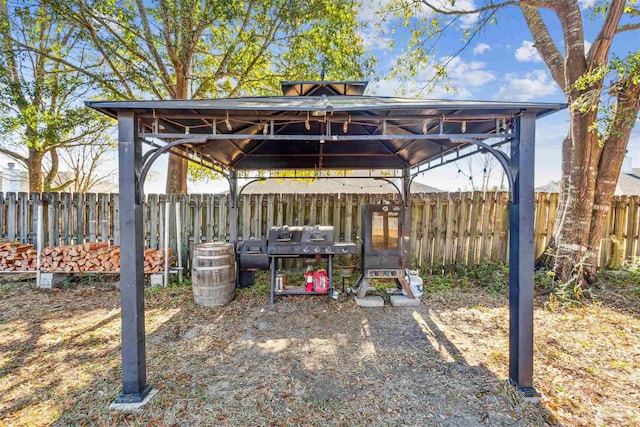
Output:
x=404 y=301
x=48 y=280
x=370 y=301
x=133 y=406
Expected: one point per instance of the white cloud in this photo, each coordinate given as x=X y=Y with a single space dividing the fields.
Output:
x=586 y=4
x=370 y=10
x=376 y=39
x=527 y=86
x=481 y=48
x=468 y=74
x=587 y=46
x=463 y=75
x=527 y=53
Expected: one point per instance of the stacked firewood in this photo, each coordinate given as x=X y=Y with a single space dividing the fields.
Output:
x=15 y=256
x=89 y=257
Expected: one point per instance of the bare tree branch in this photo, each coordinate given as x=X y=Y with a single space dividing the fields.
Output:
x=544 y=44
x=84 y=70
x=9 y=153
x=490 y=6
x=148 y=40
x=53 y=170
x=600 y=49
x=628 y=27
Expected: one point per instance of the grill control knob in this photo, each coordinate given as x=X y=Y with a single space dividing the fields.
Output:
x=316 y=249
x=329 y=249
x=306 y=249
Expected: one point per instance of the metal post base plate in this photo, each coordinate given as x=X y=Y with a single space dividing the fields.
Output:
x=530 y=394
x=133 y=397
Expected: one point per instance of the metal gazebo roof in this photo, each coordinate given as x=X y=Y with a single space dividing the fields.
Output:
x=322 y=132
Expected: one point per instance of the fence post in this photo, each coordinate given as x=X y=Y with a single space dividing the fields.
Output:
x=179 y=241
x=23 y=217
x=79 y=218
x=2 y=215
x=103 y=217
x=39 y=236
x=92 y=217
x=53 y=219
x=152 y=208
x=65 y=212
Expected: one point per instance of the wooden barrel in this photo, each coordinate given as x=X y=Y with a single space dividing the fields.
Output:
x=213 y=273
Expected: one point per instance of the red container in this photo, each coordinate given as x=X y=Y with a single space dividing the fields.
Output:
x=321 y=281
x=308 y=280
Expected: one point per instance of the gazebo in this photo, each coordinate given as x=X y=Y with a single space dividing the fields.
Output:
x=323 y=126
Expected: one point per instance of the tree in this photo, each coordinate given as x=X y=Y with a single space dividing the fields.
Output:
x=603 y=90
x=38 y=96
x=211 y=48
x=481 y=167
x=88 y=168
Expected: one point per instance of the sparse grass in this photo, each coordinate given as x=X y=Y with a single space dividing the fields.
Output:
x=261 y=287
x=492 y=277
x=314 y=361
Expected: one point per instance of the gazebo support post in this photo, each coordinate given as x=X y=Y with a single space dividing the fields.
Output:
x=134 y=365
x=521 y=257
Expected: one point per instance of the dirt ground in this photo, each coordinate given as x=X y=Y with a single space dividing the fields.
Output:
x=311 y=361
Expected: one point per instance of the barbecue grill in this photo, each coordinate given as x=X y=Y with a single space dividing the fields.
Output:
x=289 y=242
x=252 y=256
x=304 y=240
x=383 y=252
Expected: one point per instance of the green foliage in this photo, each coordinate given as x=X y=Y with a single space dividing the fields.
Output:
x=494 y=277
x=195 y=49
x=261 y=287
x=39 y=98
x=625 y=278
x=611 y=120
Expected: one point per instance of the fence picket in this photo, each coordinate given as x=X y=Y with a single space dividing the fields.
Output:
x=446 y=228
x=12 y=211
x=92 y=216
x=104 y=218
x=34 y=201
x=23 y=216
x=3 y=216
x=427 y=235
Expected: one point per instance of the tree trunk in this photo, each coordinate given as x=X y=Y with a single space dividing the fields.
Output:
x=34 y=168
x=177 y=175
x=615 y=147
x=178 y=167
x=569 y=253
x=47 y=185
x=590 y=173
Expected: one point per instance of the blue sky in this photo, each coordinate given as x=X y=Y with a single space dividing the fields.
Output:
x=500 y=64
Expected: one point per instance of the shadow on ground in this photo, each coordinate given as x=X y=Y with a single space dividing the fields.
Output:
x=302 y=361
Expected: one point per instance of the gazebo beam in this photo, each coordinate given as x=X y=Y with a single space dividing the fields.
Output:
x=134 y=365
x=521 y=257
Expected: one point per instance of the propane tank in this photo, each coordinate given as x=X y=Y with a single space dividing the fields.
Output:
x=321 y=281
x=308 y=279
x=415 y=283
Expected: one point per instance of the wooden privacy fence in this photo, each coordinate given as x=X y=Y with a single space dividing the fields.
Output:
x=446 y=228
